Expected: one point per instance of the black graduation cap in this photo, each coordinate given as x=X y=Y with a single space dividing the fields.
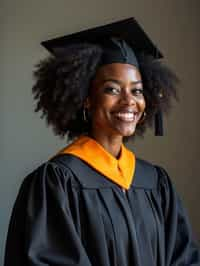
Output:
x=127 y=30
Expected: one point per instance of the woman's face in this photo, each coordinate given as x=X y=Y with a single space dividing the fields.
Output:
x=116 y=100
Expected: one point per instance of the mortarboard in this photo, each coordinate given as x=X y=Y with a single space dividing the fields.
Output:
x=121 y=42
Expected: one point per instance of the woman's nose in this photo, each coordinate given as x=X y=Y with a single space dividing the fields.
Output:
x=128 y=98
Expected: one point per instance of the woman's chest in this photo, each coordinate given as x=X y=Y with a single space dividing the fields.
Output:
x=125 y=226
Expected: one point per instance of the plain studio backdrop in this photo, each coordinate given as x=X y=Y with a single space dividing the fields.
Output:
x=25 y=140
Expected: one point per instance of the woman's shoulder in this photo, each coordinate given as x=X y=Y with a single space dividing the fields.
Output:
x=149 y=175
x=49 y=180
x=51 y=171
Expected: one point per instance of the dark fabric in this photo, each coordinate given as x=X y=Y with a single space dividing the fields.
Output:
x=118 y=51
x=68 y=214
x=128 y=30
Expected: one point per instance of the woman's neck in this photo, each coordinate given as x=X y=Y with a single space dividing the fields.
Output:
x=110 y=143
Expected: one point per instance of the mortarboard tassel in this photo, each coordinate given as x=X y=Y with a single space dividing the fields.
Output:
x=159 y=124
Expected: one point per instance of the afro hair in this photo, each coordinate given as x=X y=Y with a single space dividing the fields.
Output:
x=63 y=82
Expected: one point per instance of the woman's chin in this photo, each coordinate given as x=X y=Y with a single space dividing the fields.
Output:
x=127 y=131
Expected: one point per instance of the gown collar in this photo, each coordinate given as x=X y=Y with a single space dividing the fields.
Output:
x=119 y=171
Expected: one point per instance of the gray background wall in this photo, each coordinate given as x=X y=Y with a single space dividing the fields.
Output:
x=25 y=141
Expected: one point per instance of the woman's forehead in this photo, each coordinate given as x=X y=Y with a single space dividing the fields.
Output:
x=117 y=71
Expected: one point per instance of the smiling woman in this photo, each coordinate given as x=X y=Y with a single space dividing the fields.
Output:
x=116 y=101
x=95 y=202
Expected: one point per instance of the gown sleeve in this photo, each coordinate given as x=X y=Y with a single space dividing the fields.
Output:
x=41 y=230
x=181 y=248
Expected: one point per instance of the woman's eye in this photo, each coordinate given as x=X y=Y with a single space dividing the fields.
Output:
x=137 y=92
x=112 y=90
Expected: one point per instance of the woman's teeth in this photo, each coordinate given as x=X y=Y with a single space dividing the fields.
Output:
x=129 y=117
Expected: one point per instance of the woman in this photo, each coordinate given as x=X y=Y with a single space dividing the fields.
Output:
x=95 y=203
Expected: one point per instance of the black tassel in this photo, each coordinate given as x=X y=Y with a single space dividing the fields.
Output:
x=159 y=124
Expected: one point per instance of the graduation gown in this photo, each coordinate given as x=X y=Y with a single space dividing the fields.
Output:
x=68 y=214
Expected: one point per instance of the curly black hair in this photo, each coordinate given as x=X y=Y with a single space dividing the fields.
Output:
x=63 y=82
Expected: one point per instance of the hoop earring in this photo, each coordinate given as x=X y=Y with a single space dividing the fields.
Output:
x=142 y=118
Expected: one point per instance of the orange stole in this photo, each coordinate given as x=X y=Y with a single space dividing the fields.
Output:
x=120 y=171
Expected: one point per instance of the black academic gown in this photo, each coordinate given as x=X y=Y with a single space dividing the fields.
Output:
x=67 y=214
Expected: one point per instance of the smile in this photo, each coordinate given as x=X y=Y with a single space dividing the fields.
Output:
x=126 y=117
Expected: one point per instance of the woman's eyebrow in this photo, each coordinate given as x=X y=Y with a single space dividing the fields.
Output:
x=121 y=82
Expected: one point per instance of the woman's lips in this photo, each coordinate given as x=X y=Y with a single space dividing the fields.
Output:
x=126 y=116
